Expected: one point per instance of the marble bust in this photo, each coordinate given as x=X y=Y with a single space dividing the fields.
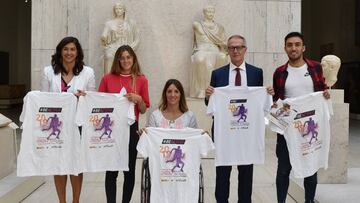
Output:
x=209 y=52
x=117 y=32
x=330 y=65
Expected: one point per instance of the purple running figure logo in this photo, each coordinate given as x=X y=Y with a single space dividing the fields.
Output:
x=310 y=127
x=241 y=111
x=55 y=123
x=178 y=156
x=106 y=124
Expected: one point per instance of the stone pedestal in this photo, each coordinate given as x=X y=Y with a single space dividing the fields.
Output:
x=13 y=188
x=339 y=144
x=7 y=151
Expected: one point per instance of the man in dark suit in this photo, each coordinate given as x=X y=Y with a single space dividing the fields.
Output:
x=236 y=73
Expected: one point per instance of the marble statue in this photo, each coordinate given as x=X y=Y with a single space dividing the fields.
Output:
x=209 y=52
x=118 y=31
x=330 y=65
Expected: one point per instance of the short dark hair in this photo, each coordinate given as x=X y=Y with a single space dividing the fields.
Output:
x=295 y=34
x=56 y=59
x=182 y=104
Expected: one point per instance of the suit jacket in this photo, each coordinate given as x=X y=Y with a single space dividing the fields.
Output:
x=220 y=76
x=52 y=83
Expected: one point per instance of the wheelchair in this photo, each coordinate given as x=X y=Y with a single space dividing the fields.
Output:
x=146 y=183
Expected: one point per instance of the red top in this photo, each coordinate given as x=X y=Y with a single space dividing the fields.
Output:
x=111 y=83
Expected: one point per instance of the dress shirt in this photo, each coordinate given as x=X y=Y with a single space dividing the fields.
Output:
x=232 y=74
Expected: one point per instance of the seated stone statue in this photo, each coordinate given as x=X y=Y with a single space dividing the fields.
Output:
x=330 y=65
x=117 y=32
x=209 y=52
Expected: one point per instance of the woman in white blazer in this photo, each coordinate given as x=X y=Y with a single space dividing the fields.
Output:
x=68 y=73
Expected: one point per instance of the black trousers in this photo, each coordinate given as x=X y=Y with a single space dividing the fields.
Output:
x=283 y=172
x=245 y=179
x=129 y=176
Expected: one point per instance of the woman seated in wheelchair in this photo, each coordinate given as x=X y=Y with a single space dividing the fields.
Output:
x=173 y=111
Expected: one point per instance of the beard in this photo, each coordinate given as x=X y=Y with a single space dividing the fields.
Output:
x=295 y=57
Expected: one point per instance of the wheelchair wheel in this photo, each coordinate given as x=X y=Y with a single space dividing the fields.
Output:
x=201 y=186
x=145 y=182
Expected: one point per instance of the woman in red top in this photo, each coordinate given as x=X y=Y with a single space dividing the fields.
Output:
x=125 y=73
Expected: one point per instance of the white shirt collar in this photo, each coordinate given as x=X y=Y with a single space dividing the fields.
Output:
x=242 y=66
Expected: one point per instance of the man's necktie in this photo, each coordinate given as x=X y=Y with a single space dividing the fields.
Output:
x=237 y=77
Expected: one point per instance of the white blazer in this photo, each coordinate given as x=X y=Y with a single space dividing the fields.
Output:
x=52 y=83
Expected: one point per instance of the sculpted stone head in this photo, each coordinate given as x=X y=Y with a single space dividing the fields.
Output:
x=209 y=12
x=119 y=9
x=330 y=65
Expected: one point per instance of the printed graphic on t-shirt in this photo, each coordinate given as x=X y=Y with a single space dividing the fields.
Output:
x=239 y=112
x=308 y=127
x=103 y=124
x=282 y=115
x=50 y=123
x=173 y=158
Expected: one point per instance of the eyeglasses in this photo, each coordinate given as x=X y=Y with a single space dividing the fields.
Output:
x=237 y=48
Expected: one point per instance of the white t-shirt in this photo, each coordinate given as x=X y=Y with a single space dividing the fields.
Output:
x=105 y=119
x=239 y=125
x=50 y=138
x=174 y=162
x=187 y=119
x=298 y=81
x=308 y=134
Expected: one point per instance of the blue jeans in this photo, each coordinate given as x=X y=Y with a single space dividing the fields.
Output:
x=283 y=172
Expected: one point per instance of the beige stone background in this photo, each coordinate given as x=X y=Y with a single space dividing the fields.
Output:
x=166 y=33
x=165 y=50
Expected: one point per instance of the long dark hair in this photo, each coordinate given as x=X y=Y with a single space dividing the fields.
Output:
x=135 y=69
x=56 y=59
x=182 y=103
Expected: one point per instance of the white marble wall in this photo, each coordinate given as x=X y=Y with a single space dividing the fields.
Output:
x=166 y=32
x=51 y=21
